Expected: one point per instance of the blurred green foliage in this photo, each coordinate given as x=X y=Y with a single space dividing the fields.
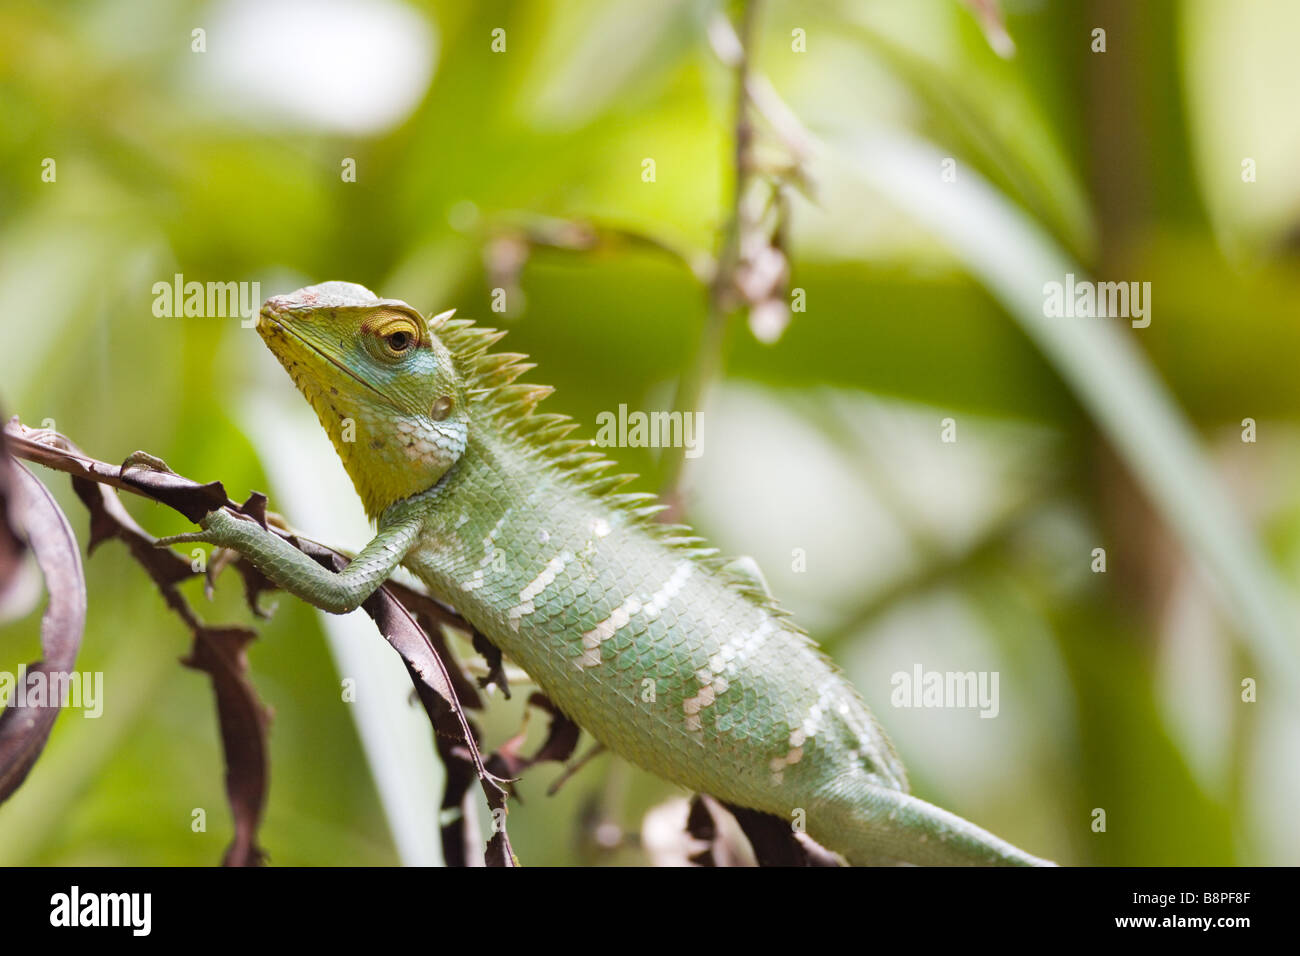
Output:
x=1120 y=691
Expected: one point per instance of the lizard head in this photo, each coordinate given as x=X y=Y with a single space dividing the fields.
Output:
x=385 y=389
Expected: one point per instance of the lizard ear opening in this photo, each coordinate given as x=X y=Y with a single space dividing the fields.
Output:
x=442 y=408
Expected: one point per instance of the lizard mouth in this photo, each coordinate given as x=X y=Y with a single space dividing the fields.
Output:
x=273 y=318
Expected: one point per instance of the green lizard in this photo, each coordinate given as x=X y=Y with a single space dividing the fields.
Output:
x=665 y=654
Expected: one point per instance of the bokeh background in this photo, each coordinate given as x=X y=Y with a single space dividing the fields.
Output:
x=1119 y=690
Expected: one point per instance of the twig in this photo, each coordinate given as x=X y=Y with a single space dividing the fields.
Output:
x=722 y=300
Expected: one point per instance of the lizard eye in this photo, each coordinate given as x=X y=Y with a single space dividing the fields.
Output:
x=391 y=333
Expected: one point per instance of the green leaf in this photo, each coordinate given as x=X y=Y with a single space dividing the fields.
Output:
x=1013 y=257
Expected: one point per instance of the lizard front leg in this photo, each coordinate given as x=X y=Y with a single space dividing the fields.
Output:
x=295 y=572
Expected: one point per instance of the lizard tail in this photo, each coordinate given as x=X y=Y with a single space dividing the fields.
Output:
x=874 y=826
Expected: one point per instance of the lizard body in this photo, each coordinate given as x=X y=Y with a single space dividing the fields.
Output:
x=634 y=629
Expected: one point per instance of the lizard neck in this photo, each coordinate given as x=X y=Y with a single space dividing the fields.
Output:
x=390 y=460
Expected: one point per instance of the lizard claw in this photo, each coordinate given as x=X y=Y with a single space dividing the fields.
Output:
x=192 y=536
x=142 y=459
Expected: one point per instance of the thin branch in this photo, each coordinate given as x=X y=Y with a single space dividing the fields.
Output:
x=723 y=302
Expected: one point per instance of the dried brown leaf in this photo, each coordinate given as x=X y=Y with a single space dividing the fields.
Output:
x=219 y=652
x=25 y=730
